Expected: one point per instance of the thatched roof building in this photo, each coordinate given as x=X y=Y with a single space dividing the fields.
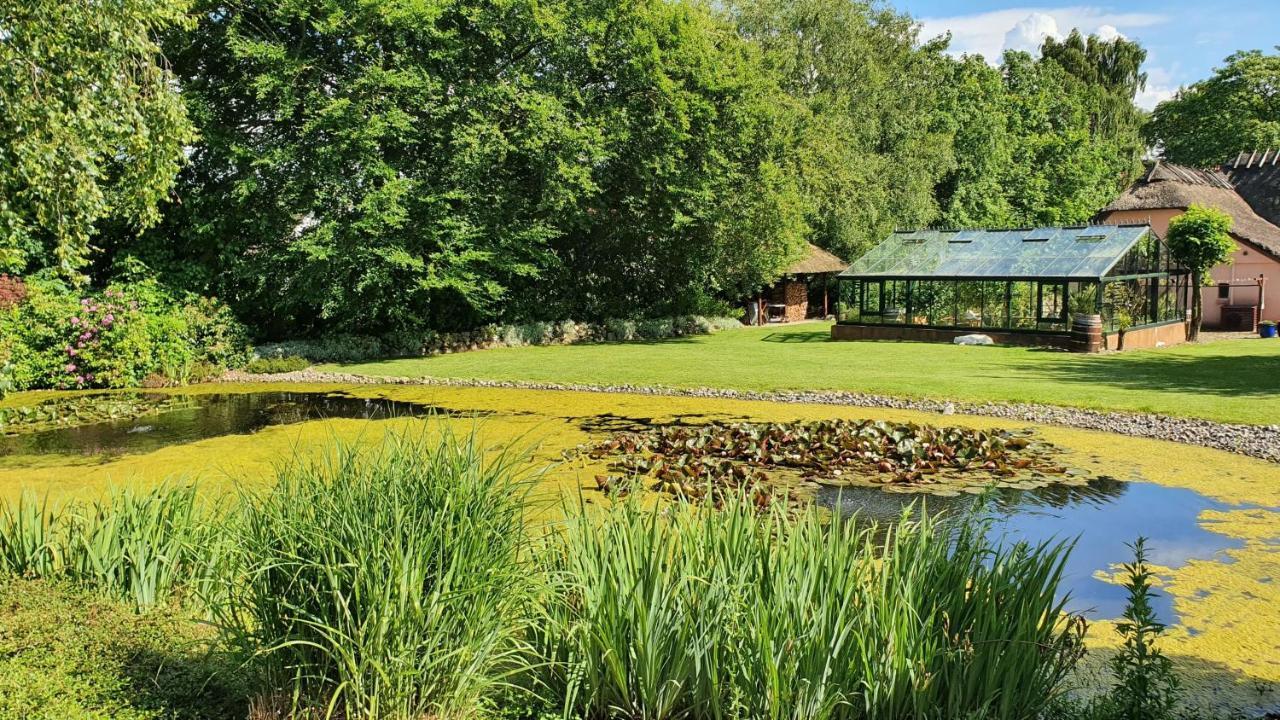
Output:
x=1167 y=186
x=817 y=262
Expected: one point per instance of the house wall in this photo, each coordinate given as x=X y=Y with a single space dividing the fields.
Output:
x=1247 y=266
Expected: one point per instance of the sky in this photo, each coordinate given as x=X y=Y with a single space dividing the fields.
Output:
x=1185 y=40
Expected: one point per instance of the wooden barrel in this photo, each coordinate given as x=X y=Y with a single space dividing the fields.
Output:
x=1086 y=333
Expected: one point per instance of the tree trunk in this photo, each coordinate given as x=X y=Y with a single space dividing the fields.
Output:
x=1197 y=310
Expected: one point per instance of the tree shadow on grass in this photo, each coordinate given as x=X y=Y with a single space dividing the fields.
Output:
x=798 y=337
x=1218 y=374
x=194 y=683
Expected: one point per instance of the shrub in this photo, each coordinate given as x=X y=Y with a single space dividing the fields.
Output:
x=118 y=337
x=133 y=546
x=12 y=292
x=736 y=613
x=381 y=583
x=289 y=363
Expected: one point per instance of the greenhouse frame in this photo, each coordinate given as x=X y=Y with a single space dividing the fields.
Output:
x=1026 y=281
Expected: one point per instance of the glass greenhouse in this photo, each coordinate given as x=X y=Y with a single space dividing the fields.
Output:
x=1024 y=280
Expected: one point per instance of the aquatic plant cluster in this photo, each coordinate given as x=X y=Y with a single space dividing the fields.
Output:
x=401 y=581
x=697 y=460
x=78 y=410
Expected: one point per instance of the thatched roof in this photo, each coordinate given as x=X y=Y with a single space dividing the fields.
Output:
x=1168 y=186
x=1256 y=176
x=816 y=262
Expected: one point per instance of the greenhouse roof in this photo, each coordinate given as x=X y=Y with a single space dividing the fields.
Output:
x=1077 y=253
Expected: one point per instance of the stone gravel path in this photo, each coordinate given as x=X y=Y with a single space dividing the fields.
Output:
x=1260 y=441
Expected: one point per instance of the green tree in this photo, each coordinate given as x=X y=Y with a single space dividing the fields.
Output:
x=1199 y=240
x=876 y=142
x=93 y=128
x=1236 y=109
x=974 y=193
x=391 y=166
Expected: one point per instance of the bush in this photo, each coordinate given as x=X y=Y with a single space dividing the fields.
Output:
x=387 y=582
x=289 y=363
x=130 y=332
x=695 y=612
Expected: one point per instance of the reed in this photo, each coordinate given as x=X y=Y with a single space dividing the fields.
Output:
x=696 y=612
x=138 y=546
x=385 y=583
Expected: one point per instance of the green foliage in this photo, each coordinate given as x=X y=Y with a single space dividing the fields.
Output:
x=129 y=332
x=71 y=654
x=381 y=583
x=288 y=363
x=1146 y=686
x=1198 y=240
x=94 y=129
x=697 y=612
x=132 y=546
x=1211 y=121
x=874 y=140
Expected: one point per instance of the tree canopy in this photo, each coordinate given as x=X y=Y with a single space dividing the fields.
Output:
x=1198 y=239
x=93 y=128
x=1236 y=109
x=396 y=166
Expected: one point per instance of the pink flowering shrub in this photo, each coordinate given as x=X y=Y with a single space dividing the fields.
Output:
x=119 y=336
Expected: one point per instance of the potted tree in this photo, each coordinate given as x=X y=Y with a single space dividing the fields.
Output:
x=1267 y=329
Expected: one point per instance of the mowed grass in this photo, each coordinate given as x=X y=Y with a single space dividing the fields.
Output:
x=1228 y=381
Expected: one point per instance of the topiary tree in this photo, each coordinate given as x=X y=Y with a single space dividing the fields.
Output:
x=1198 y=240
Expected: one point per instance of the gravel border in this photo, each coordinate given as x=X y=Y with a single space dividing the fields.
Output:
x=1259 y=441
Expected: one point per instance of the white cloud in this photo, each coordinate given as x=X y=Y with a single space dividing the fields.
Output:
x=1108 y=33
x=1160 y=87
x=991 y=33
x=1030 y=32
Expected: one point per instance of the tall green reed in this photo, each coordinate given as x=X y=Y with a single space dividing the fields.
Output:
x=695 y=612
x=138 y=546
x=383 y=583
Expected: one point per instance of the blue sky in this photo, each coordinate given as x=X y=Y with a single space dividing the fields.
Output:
x=1184 y=40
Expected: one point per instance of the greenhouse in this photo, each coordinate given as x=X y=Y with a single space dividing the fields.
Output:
x=1024 y=284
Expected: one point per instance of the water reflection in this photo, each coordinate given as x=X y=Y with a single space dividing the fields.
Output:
x=1100 y=517
x=196 y=417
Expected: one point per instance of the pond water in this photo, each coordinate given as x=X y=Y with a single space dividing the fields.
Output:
x=1100 y=518
x=188 y=418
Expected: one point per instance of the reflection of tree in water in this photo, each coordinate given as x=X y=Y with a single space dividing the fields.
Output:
x=186 y=418
x=873 y=504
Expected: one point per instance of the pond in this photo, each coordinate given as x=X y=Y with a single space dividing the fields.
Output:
x=1213 y=518
x=1099 y=518
x=166 y=420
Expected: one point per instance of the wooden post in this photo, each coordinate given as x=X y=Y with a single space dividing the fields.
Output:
x=826 y=306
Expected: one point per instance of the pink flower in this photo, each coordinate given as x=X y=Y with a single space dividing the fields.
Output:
x=71 y=367
x=84 y=301
x=75 y=321
x=89 y=377
x=108 y=319
x=80 y=379
x=71 y=351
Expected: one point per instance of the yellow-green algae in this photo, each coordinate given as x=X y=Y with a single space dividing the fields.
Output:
x=1227 y=642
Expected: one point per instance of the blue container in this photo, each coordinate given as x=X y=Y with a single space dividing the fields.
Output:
x=1267 y=331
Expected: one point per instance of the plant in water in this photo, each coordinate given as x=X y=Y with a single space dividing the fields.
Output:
x=381 y=583
x=693 y=611
x=1146 y=686
x=692 y=461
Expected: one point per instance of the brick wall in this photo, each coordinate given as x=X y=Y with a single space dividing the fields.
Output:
x=1148 y=337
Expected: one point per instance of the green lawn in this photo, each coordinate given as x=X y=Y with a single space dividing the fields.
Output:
x=1230 y=381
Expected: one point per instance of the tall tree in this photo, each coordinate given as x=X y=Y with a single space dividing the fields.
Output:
x=1198 y=239
x=878 y=144
x=391 y=166
x=93 y=127
x=1236 y=109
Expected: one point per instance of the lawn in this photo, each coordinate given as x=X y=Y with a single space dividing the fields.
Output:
x=1228 y=381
